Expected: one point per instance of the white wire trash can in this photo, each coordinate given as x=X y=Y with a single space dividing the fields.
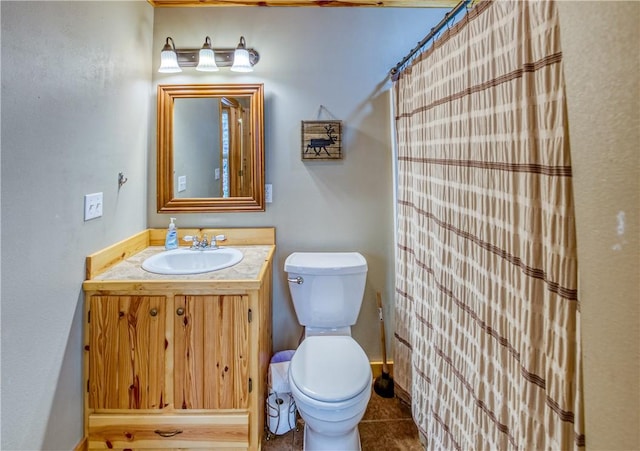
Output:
x=280 y=407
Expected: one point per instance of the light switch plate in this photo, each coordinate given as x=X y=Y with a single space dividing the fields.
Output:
x=92 y=206
x=182 y=183
x=268 y=193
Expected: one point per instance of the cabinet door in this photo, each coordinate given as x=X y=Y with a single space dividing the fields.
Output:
x=126 y=352
x=211 y=368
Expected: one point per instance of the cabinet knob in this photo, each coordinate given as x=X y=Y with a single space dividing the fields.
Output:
x=153 y=312
x=180 y=311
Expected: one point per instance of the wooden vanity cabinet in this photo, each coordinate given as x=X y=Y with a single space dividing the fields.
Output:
x=211 y=352
x=178 y=366
x=126 y=352
x=185 y=354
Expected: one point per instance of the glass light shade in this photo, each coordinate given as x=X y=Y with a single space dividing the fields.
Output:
x=207 y=61
x=169 y=62
x=241 y=62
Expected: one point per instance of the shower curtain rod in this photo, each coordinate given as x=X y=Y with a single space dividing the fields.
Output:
x=447 y=18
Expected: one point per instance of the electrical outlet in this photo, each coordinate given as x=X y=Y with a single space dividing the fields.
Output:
x=92 y=206
x=268 y=193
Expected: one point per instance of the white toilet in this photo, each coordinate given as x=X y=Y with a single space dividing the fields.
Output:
x=329 y=374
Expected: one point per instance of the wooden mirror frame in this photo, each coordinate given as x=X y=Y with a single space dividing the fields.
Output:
x=167 y=203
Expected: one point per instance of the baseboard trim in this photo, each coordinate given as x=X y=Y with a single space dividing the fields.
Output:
x=82 y=446
x=376 y=368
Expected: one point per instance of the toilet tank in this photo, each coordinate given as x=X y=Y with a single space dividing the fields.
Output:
x=326 y=287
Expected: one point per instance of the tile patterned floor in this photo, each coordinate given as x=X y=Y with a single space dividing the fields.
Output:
x=386 y=425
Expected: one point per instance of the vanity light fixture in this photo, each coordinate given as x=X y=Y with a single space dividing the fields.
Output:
x=207 y=58
x=169 y=58
x=241 y=61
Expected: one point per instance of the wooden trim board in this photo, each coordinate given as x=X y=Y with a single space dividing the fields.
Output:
x=311 y=3
x=82 y=445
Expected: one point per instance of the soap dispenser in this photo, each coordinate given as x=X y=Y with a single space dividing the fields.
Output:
x=171 y=241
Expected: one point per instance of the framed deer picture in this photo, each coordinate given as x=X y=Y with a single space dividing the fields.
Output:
x=321 y=140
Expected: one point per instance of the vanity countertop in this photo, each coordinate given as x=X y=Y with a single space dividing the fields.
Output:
x=121 y=267
x=248 y=268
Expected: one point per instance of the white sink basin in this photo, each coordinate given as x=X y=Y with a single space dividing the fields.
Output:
x=187 y=261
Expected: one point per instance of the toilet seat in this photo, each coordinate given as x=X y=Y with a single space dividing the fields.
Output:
x=330 y=369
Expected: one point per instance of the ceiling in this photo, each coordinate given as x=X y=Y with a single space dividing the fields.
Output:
x=331 y=3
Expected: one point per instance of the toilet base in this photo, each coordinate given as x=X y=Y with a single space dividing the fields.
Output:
x=314 y=441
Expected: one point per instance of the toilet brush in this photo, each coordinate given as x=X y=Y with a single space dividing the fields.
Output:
x=383 y=385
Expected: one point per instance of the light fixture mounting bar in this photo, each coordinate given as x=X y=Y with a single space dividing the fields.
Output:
x=224 y=57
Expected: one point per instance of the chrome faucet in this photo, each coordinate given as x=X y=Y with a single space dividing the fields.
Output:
x=215 y=239
x=204 y=243
x=198 y=244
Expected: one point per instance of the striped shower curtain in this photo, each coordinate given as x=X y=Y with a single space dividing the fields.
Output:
x=487 y=334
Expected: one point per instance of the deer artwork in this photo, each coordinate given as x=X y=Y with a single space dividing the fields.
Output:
x=320 y=144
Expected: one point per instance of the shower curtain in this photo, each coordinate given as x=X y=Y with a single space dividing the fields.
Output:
x=487 y=332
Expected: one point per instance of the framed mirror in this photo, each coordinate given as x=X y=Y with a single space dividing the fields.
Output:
x=210 y=148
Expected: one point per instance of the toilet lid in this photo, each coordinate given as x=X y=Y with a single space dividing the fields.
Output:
x=330 y=368
x=325 y=263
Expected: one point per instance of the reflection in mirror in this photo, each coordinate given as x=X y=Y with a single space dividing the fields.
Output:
x=210 y=148
x=196 y=144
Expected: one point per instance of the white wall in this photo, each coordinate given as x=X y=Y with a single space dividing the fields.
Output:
x=75 y=105
x=601 y=46
x=336 y=57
